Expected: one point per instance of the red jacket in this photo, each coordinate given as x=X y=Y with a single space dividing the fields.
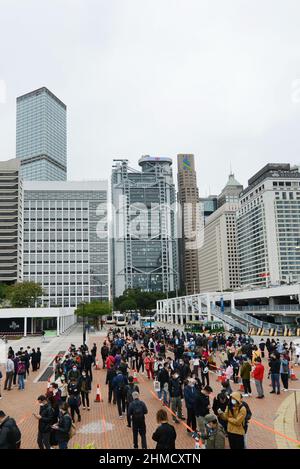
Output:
x=258 y=372
x=110 y=361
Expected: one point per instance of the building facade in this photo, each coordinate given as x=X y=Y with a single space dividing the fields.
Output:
x=190 y=222
x=41 y=137
x=219 y=263
x=65 y=241
x=144 y=243
x=268 y=227
x=11 y=198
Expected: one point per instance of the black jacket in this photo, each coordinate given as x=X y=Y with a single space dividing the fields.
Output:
x=137 y=411
x=201 y=404
x=274 y=366
x=163 y=377
x=165 y=436
x=46 y=420
x=8 y=432
x=84 y=384
x=64 y=427
x=175 y=388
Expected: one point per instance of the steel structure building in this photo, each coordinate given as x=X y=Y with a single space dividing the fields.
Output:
x=144 y=244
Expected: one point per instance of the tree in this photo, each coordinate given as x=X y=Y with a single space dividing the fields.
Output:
x=24 y=295
x=3 y=290
x=94 y=310
x=128 y=304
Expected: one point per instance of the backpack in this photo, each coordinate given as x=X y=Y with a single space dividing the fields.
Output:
x=248 y=414
x=21 y=368
x=130 y=390
x=14 y=435
x=138 y=412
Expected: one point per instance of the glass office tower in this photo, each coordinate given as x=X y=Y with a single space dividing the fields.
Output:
x=41 y=139
x=144 y=242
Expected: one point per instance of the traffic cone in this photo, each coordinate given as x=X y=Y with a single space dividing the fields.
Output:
x=98 y=394
x=241 y=388
x=292 y=374
x=135 y=379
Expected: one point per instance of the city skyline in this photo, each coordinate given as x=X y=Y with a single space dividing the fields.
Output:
x=149 y=90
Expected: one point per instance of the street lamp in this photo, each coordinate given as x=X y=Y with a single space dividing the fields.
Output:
x=83 y=324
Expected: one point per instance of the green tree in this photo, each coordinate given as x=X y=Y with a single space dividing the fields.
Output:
x=94 y=310
x=24 y=295
x=128 y=304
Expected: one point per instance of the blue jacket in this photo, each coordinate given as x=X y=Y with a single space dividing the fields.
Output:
x=119 y=382
x=190 y=393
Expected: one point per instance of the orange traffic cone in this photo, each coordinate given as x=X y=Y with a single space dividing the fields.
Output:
x=98 y=394
x=219 y=378
x=292 y=374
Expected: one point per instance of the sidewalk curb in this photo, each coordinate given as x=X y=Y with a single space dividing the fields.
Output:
x=285 y=423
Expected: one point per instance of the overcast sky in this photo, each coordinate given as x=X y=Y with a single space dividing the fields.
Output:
x=217 y=78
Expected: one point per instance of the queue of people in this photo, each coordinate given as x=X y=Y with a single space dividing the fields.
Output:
x=179 y=365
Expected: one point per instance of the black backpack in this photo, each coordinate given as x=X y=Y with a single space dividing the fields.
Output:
x=130 y=390
x=138 y=412
x=248 y=414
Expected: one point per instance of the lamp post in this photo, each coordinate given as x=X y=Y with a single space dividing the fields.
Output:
x=83 y=325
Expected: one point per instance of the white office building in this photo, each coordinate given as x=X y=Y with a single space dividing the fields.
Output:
x=219 y=266
x=268 y=227
x=65 y=241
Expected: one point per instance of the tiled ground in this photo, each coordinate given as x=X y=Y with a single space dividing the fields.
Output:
x=102 y=426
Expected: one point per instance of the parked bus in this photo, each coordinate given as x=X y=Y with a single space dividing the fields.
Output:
x=147 y=322
x=110 y=320
x=120 y=319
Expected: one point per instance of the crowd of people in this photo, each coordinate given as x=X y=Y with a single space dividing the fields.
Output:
x=179 y=365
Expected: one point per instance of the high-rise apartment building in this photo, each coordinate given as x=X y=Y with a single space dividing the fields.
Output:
x=219 y=263
x=41 y=138
x=10 y=221
x=268 y=227
x=65 y=242
x=144 y=244
x=190 y=220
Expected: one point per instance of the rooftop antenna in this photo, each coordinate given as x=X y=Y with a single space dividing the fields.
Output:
x=230 y=169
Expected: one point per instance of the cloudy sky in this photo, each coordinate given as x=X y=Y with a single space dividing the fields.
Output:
x=217 y=78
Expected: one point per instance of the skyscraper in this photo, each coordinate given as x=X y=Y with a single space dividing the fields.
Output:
x=10 y=221
x=268 y=226
x=144 y=244
x=219 y=263
x=65 y=246
x=41 y=138
x=188 y=197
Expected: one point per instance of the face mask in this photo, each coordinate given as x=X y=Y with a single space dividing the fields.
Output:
x=233 y=401
x=74 y=369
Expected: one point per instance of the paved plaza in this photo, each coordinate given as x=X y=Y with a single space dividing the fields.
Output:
x=272 y=425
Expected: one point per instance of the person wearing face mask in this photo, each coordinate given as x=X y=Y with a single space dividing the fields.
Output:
x=74 y=373
x=85 y=387
x=235 y=415
x=214 y=435
x=175 y=390
x=45 y=419
x=190 y=397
